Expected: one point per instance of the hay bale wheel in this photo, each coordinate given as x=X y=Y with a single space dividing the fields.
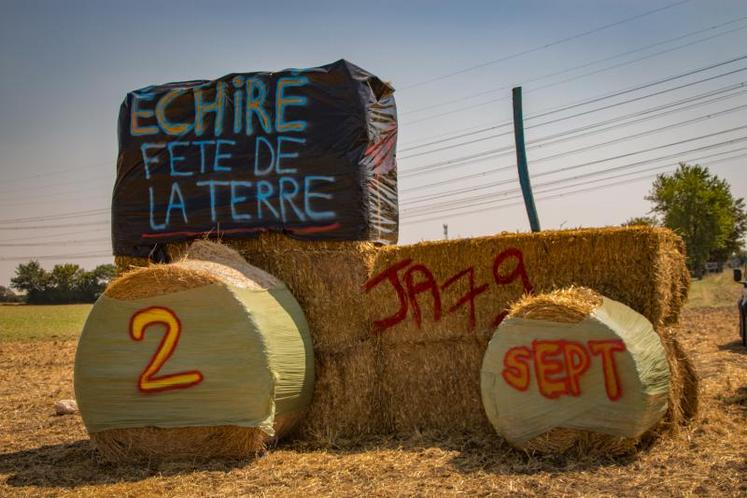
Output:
x=205 y=357
x=572 y=369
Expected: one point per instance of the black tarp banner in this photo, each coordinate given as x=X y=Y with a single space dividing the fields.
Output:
x=306 y=152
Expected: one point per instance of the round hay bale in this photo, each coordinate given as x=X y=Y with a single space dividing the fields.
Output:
x=572 y=369
x=205 y=357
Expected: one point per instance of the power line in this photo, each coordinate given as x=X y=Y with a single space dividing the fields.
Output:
x=586 y=164
x=612 y=120
x=544 y=123
x=59 y=216
x=45 y=186
x=489 y=199
x=53 y=243
x=542 y=142
x=597 y=61
x=580 y=149
x=57 y=256
x=539 y=198
x=667 y=108
x=492 y=202
x=610 y=95
x=57 y=236
x=52 y=227
x=458 y=201
x=545 y=46
x=55 y=173
x=566 y=107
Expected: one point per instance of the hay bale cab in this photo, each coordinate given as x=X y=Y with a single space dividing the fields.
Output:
x=306 y=318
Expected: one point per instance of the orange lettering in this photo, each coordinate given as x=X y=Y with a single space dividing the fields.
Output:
x=148 y=382
x=577 y=363
x=547 y=368
x=516 y=370
x=611 y=379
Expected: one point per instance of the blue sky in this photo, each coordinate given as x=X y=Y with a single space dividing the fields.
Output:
x=67 y=65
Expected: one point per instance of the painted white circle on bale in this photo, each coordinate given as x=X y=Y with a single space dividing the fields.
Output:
x=607 y=374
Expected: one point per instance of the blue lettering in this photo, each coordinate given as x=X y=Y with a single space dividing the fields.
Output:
x=147 y=161
x=291 y=155
x=256 y=93
x=236 y=198
x=153 y=224
x=238 y=100
x=288 y=196
x=136 y=129
x=202 y=144
x=176 y=192
x=264 y=192
x=202 y=108
x=268 y=169
x=282 y=101
x=317 y=215
x=212 y=184
x=218 y=156
x=174 y=159
x=163 y=122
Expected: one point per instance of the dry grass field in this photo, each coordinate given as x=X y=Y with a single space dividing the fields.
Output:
x=43 y=454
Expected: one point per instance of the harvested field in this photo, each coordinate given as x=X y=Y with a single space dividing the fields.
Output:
x=41 y=454
x=28 y=322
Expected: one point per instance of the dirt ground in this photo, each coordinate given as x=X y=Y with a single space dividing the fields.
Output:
x=43 y=454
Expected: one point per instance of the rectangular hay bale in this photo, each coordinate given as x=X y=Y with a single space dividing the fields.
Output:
x=325 y=278
x=434 y=386
x=346 y=400
x=462 y=288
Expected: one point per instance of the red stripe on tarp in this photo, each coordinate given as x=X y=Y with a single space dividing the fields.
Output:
x=315 y=229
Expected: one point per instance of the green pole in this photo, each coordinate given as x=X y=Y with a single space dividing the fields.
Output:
x=521 y=161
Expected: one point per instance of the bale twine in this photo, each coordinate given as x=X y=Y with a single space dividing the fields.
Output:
x=236 y=375
x=598 y=410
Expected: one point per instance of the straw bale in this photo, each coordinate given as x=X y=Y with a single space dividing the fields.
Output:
x=572 y=306
x=642 y=267
x=569 y=305
x=434 y=385
x=128 y=263
x=203 y=264
x=347 y=401
x=684 y=386
x=682 y=408
x=187 y=443
x=672 y=268
x=325 y=277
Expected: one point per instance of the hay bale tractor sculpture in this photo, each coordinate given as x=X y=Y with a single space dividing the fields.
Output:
x=306 y=317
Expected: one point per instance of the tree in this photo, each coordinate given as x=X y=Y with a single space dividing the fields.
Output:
x=64 y=280
x=92 y=283
x=700 y=207
x=8 y=296
x=648 y=221
x=32 y=279
x=735 y=240
x=66 y=283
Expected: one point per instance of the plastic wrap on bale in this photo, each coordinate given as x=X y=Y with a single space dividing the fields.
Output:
x=309 y=153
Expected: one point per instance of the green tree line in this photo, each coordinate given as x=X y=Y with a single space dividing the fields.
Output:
x=66 y=283
x=701 y=208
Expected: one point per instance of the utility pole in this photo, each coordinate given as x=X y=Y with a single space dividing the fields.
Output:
x=446 y=231
x=521 y=161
